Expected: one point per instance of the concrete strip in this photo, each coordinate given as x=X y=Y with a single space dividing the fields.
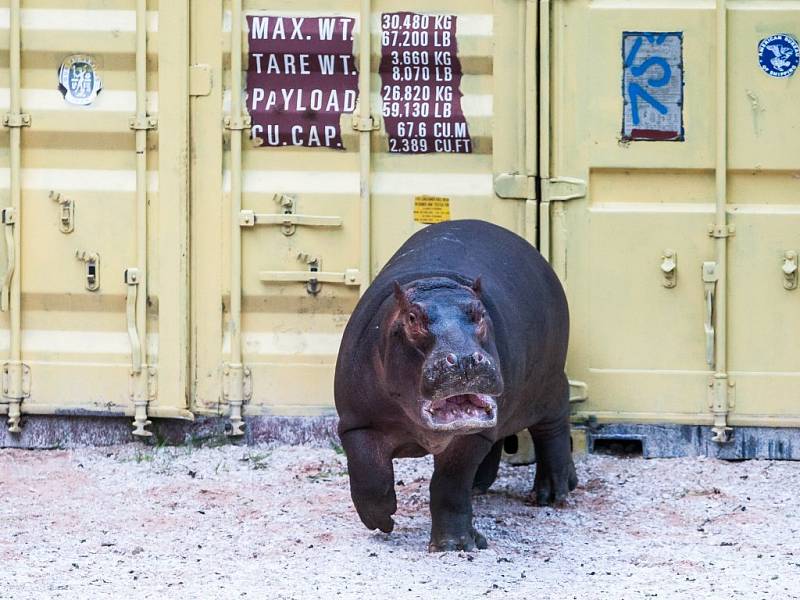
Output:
x=43 y=432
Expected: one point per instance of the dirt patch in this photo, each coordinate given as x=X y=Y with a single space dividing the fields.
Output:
x=277 y=522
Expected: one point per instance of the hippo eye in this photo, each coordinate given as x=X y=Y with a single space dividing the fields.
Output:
x=415 y=326
x=476 y=313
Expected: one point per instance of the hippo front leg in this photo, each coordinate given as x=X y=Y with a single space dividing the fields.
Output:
x=451 y=495
x=369 y=463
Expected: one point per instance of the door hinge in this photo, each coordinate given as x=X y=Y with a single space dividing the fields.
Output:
x=581 y=391
x=16 y=387
x=563 y=189
x=523 y=187
x=514 y=186
x=199 y=80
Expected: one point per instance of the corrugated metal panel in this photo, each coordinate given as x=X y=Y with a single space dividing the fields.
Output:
x=75 y=341
x=613 y=206
x=290 y=337
x=641 y=346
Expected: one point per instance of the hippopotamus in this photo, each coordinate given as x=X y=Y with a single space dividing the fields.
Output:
x=459 y=343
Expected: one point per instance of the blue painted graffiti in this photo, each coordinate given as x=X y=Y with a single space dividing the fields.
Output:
x=652 y=85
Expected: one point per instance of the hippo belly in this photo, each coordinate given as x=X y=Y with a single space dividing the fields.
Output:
x=459 y=342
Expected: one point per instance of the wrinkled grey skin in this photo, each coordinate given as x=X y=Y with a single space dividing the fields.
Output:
x=460 y=341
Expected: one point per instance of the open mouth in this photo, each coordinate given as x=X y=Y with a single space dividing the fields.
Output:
x=460 y=411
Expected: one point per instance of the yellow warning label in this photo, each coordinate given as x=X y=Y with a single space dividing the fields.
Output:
x=430 y=209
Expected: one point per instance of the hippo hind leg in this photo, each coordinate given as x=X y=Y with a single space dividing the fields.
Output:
x=487 y=471
x=555 y=470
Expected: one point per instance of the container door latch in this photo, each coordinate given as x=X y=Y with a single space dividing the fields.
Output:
x=139 y=384
x=66 y=212
x=710 y=278
x=92 y=262
x=790 y=270
x=9 y=219
x=669 y=269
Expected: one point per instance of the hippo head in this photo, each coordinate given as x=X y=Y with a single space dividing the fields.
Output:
x=439 y=356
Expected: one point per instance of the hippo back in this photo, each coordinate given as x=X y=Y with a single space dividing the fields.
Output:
x=521 y=292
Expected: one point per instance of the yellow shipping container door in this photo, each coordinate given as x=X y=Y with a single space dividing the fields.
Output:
x=94 y=188
x=678 y=259
x=293 y=211
x=194 y=194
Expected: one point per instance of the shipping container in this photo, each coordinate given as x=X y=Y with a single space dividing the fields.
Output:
x=196 y=193
x=680 y=259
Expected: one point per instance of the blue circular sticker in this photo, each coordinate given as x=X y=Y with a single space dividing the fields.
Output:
x=779 y=55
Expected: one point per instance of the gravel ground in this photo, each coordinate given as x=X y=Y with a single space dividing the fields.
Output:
x=277 y=522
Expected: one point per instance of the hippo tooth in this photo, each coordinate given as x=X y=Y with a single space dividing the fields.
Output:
x=440 y=403
x=478 y=401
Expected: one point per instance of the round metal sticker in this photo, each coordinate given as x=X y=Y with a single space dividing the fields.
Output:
x=779 y=55
x=78 y=79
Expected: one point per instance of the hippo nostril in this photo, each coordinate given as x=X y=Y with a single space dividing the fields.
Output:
x=451 y=359
x=479 y=358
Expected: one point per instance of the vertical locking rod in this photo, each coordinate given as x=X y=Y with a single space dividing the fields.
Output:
x=720 y=406
x=139 y=392
x=544 y=127
x=235 y=367
x=365 y=140
x=529 y=99
x=13 y=394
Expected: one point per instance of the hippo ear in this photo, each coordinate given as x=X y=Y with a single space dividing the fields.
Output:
x=401 y=297
x=477 y=286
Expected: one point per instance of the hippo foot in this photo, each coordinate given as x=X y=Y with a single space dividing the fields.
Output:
x=473 y=540
x=376 y=511
x=553 y=483
x=381 y=522
x=375 y=518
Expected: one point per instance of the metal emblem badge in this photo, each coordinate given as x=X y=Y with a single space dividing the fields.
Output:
x=78 y=79
x=779 y=55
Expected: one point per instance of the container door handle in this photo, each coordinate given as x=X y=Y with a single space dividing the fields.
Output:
x=710 y=287
x=132 y=282
x=9 y=219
